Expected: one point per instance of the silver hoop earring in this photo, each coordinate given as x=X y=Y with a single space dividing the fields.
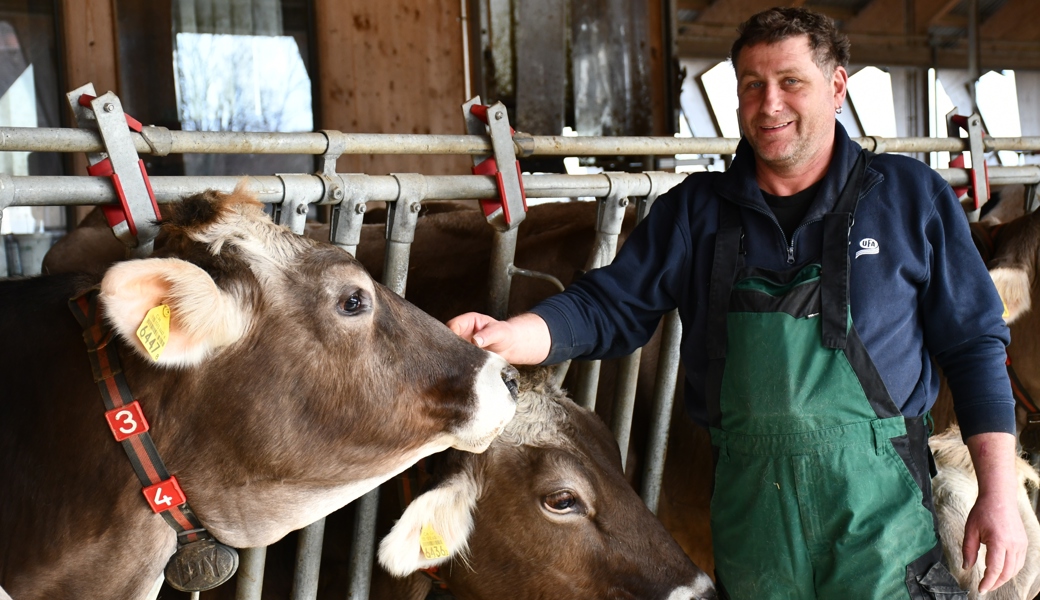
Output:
x=837 y=110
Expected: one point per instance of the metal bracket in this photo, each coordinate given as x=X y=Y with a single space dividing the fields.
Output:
x=136 y=222
x=610 y=215
x=1030 y=198
x=159 y=139
x=292 y=212
x=401 y=218
x=348 y=216
x=403 y=214
x=6 y=199
x=978 y=175
x=510 y=208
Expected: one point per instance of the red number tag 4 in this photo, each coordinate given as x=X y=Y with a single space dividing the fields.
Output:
x=126 y=421
x=164 y=495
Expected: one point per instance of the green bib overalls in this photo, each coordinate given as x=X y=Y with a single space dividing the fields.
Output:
x=822 y=487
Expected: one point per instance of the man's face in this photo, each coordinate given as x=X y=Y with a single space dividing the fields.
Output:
x=786 y=103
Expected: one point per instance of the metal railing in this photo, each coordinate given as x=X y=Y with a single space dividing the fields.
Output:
x=349 y=193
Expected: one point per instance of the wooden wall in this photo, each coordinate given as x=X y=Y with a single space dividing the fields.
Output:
x=89 y=48
x=392 y=66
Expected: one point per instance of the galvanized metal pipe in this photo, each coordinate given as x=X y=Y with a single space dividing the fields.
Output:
x=660 y=419
x=609 y=218
x=625 y=402
x=586 y=383
x=500 y=275
x=72 y=190
x=250 y=575
x=308 y=561
x=400 y=232
x=161 y=141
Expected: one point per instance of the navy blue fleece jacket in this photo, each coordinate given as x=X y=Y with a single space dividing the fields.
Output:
x=924 y=293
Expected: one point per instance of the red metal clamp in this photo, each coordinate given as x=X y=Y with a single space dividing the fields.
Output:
x=510 y=208
x=135 y=220
x=978 y=188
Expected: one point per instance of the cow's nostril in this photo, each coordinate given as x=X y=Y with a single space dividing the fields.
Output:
x=509 y=376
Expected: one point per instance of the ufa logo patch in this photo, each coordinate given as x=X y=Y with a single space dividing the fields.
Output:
x=869 y=246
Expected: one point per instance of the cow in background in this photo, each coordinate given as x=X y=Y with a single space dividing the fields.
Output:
x=291 y=384
x=956 y=488
x=545 y=512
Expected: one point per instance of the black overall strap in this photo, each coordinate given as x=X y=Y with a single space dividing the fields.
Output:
x=728 y=260
x=834 y=273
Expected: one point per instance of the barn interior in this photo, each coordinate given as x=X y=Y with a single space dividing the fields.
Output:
x=566 y=68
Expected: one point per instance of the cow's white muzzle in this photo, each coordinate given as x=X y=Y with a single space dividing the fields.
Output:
x=495 y=405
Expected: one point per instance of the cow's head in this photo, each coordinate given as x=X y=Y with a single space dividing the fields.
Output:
x=546 y=512
x=297 y=382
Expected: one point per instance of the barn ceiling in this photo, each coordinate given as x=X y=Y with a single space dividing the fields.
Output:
x=924 y=33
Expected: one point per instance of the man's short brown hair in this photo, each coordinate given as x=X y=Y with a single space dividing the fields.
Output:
x=829 y=46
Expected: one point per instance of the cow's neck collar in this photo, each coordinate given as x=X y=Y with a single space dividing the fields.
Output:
x=200 y=563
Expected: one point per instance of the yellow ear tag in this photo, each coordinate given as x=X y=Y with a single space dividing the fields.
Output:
x=432 y=543
x=154 y=331
x=1007 y=313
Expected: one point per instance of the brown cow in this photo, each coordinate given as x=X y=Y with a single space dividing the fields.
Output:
x=545 y=513
x=451 y=252
x=291 y=384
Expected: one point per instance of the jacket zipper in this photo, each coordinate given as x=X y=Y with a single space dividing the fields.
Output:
x=788 y=244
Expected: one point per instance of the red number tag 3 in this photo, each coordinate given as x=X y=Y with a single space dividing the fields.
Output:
x=126 y=421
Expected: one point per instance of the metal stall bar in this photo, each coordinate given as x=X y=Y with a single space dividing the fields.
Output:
x=664 y=383
x=161 y=141
x=628 y=370
x=661 y=416
x=401 y=220
x=250 y=575
x=300 y=191
x=510 y=209
x=249 y=579
x=73 y=190
x=610 y=215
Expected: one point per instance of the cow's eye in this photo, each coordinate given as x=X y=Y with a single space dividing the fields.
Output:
x=562 y=502
x=352 y=304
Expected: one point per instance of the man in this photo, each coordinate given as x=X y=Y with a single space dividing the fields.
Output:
x=815 y=282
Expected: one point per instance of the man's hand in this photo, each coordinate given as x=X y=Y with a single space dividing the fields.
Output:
x=994 y=520
x=522 y=340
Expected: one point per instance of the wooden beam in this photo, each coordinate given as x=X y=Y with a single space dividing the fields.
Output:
x=732 y=12
x=713 y=42
x=89 y=46
x=393 y=66
x=879 y=16
x=1016 y=20
x=697 y=5
x=928 y=12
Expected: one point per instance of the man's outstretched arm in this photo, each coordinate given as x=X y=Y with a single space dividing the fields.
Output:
x=994 y=520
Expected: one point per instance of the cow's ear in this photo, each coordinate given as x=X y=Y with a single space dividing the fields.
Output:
x=202 y=317
x=1013 y=286
x=434 y=528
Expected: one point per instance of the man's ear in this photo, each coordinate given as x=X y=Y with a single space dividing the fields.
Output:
x=202 y=317
x=1013 y=286
x=840 y=80
x=444 y=514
